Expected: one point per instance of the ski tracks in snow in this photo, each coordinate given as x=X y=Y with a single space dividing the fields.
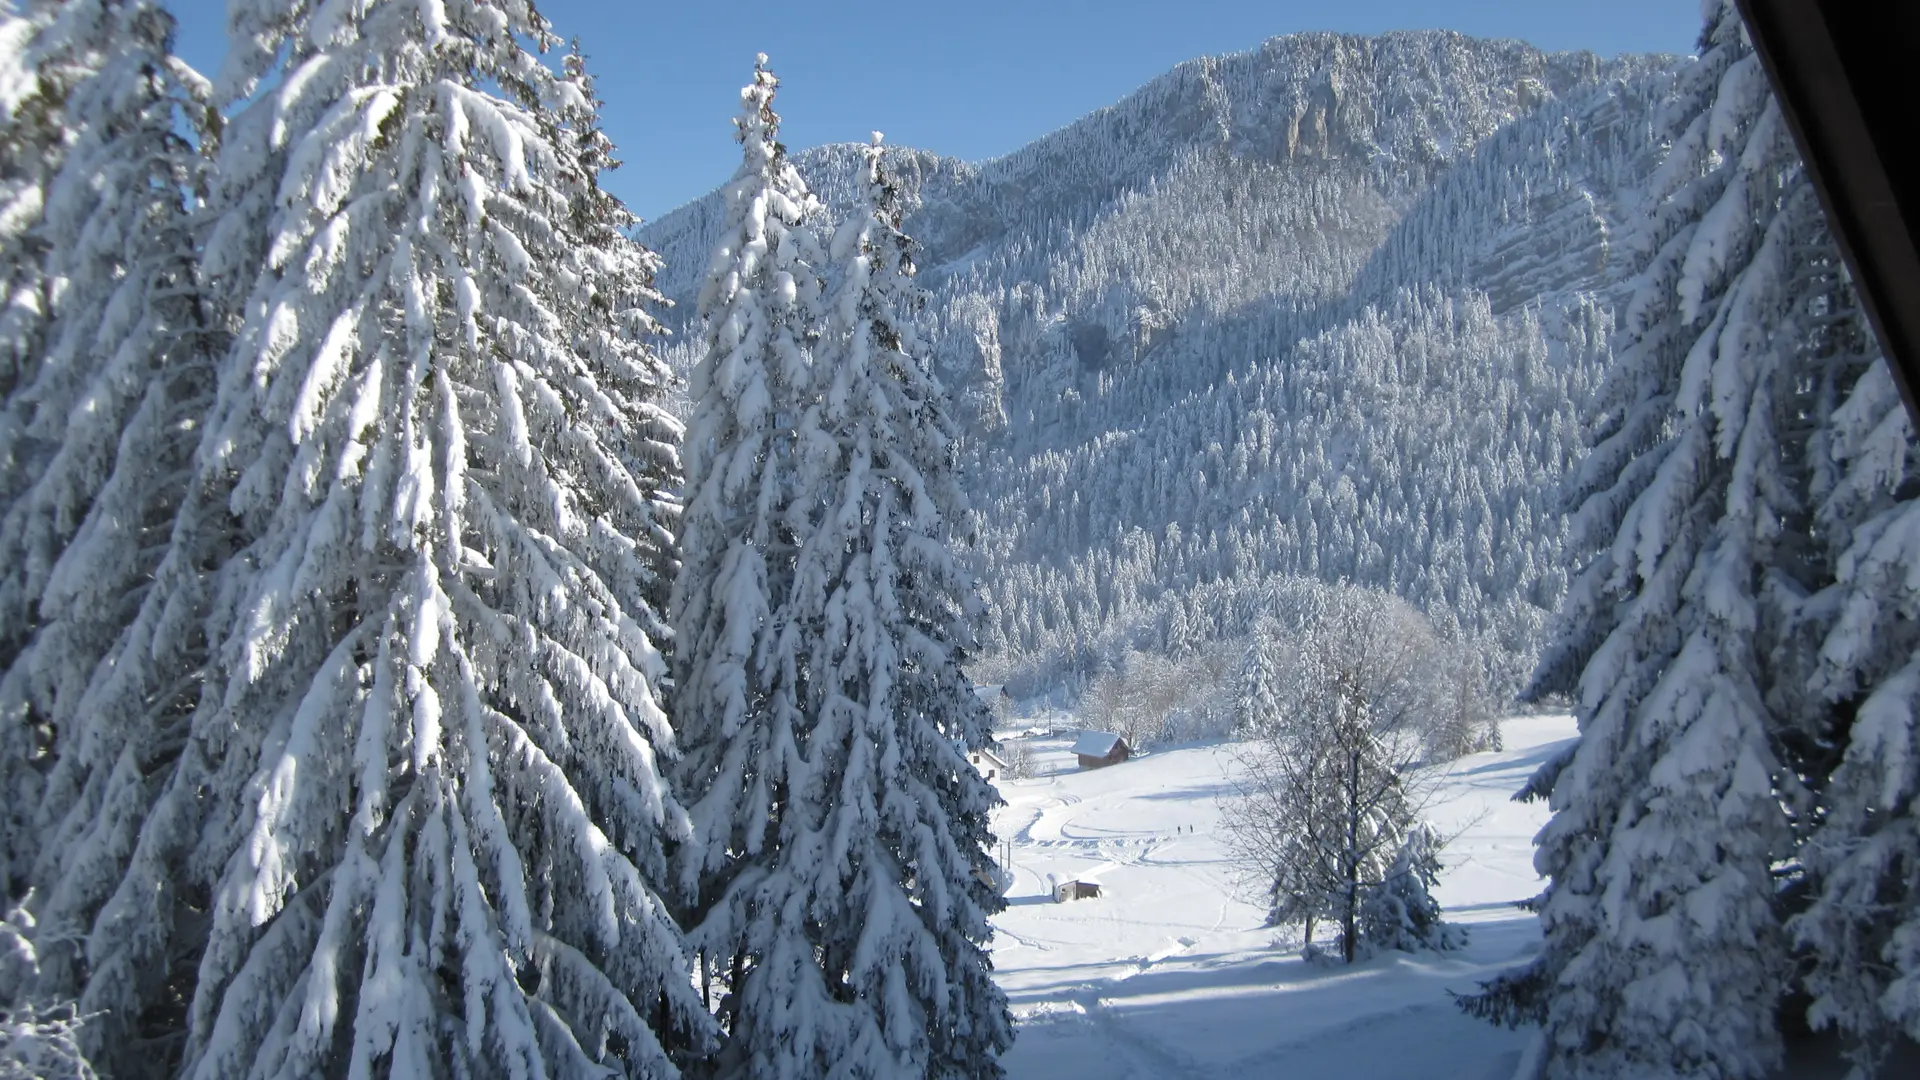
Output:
x=1155 y=1058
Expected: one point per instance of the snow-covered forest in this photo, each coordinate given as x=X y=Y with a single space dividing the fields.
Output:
x=449 y=627
x=1330 y=308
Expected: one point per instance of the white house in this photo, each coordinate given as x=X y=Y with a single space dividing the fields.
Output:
x=991 y=765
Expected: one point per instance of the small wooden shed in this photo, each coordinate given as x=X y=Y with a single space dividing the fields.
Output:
x=1078 y=889
x=1099 y=749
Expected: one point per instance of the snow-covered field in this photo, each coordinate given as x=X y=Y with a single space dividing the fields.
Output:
x=1169 y=973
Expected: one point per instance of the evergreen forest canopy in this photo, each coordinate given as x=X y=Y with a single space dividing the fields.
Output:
x=412 y=662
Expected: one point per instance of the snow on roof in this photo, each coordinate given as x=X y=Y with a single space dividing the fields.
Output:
x=989 y=691
x=1095 y=743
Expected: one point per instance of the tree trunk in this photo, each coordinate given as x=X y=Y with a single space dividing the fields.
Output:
x=1347 y=921
x=1349 y=917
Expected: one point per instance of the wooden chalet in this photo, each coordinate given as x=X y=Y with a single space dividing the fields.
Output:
x=1099 y=749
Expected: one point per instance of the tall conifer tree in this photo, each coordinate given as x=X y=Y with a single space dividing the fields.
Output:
x=1702 y=762
x=736 y=692
x=33 y=142
x=102 y=429
x=1854 y=661
x=881 y=896
x=416 y=818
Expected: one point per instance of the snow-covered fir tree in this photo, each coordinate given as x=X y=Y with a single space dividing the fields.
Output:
x=875 y=909
x=1857 y=648
x=37 y=1041
x=821 y=620
x=1664 y=951
x=99 y=432
x=415 y=820
x=33 y=142
x=1400 y=912
x=736 y=700
x=103 y=427
x=1256 y=704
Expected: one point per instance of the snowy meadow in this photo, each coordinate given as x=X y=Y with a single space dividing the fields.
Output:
x=1173 y=971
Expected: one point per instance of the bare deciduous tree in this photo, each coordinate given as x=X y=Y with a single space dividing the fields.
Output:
x=1135 y=700
x=1329 y=791
x=1018 y=754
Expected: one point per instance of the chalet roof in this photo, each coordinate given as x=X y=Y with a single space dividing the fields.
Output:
x=990 y=691
x=993 y=756
x=1095 y=743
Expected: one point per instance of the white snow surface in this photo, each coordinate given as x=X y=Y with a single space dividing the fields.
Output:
x=1170 y=974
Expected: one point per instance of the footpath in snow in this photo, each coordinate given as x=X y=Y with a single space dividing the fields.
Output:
x=1169 y=974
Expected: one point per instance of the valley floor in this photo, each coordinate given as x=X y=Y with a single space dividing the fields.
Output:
x=1169 y=974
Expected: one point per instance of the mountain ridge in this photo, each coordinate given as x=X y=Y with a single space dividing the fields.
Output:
x=1179 y=93
x=1182 y=331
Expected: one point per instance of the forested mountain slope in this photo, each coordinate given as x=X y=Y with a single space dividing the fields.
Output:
x=1327 y=307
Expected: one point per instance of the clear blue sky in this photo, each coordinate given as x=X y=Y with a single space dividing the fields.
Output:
x=970 y=78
